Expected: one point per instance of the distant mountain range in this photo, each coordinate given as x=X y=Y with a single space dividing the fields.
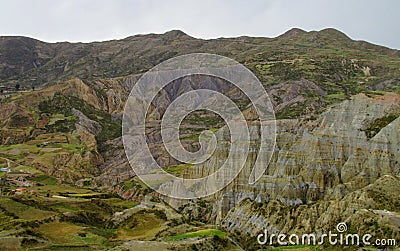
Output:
x=30 y=62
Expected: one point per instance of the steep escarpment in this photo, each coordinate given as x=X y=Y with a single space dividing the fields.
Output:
x=370 y=210
x=325 y=159
x=317 y=159
x=322 y=172
x=108 y=95
x=58 y=130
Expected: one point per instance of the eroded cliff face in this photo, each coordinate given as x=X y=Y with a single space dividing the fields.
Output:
x=315 y=161
x=57 y=137
x=325 y=159
x=322 y=171
x=370 y=210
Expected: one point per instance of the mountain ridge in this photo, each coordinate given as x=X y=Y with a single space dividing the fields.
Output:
x=29 y=61
x=178 y=33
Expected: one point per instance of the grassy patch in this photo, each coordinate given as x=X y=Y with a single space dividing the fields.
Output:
x=65 y=206
x=135 y=183
x=61 y=104
x=75 y=148
x=24 y=211
x=46 y=180
x=28 y=169
x=60 y=189
x=10 y=243
x=338 y=96
x=376 y=126
x=64 y=233
x=129 y=184
x=143 y=225
x=5 y=218
x=178 y=169
x=291 y=111
x=106 y=233
x=373 y=94
x=120 y=204
x=198 y=234
x=50 y=185
x=21 y=148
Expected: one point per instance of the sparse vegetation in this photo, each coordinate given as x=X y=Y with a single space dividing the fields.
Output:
x=61 y=104
x=198 y=234
x=377 y=125
x=178 y=169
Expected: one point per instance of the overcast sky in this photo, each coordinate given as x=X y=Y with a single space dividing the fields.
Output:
x=93 y=20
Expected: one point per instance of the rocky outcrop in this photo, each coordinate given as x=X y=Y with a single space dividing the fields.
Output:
x=314 y=160
x=117 y=175
x=85 y=124
x=15 y=123
x=301 y=93
x=385 y=85
x=319 y=160
x=372 y=209
x=69 y=167
x=104 y=94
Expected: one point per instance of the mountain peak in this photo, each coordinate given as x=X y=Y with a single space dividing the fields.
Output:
x=293 y=32
x=175 y=33
x=333 y=32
